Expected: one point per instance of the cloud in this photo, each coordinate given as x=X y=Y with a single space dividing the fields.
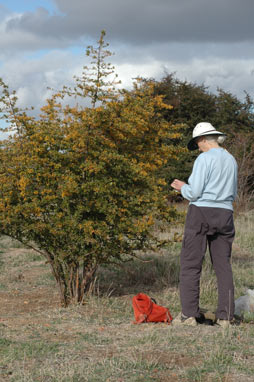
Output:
x=202 y=41
x=232 y=75
x=15 y=38
x=145 y=21
x=130 y=22
x=32 y=78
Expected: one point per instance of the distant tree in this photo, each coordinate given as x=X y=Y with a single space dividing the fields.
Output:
x=194 y=103
x=242 y=147
x=80 y=184
x=191 y=103
x=233 y=115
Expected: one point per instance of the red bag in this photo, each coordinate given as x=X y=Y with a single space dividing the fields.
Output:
x=146 y=310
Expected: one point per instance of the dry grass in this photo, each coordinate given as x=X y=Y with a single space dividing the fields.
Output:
x=97 y=342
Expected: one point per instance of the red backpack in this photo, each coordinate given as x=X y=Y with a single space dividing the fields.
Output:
x=146 y=310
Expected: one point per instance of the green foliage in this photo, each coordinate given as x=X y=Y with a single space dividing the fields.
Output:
x=191 y=103
x=82 y=182
x=194 y=103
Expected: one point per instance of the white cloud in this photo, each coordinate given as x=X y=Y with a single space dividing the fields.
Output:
x=31 y=78
x=232 y=75
x=135 y=22
x=202 y=41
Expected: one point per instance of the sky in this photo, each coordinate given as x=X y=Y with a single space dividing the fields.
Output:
x=42 y=42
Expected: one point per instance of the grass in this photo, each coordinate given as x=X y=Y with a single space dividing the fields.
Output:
x=97 y=342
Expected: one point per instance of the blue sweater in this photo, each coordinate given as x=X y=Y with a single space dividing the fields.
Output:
x=213 y=182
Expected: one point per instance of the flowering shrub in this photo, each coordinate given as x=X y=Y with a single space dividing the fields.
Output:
x=80 y=184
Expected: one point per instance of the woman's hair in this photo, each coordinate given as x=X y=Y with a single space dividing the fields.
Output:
x=216 y=138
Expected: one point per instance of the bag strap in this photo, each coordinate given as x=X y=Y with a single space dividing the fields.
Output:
x=168 y=317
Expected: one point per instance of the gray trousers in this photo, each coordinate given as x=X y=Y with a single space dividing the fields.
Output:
x=215 y=227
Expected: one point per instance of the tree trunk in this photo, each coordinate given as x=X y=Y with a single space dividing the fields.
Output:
x=73 y=282
x=59 y=275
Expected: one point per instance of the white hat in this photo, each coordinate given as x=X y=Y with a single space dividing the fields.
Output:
x=202 y=128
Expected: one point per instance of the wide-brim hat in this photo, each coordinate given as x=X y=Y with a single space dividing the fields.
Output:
x=201 y=129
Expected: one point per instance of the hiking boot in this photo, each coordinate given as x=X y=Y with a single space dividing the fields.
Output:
x=223 y=323
x=204 y=320
x=208 y=315
x=192 y=321
x=181 y=319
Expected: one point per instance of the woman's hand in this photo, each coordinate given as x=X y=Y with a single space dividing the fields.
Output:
x=177 y=184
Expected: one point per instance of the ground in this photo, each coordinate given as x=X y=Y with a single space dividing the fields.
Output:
x=97 y=342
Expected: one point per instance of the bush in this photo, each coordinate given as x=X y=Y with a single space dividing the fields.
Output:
x=81 y=183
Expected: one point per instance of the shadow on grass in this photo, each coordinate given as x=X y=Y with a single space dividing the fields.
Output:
x=151 y=274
